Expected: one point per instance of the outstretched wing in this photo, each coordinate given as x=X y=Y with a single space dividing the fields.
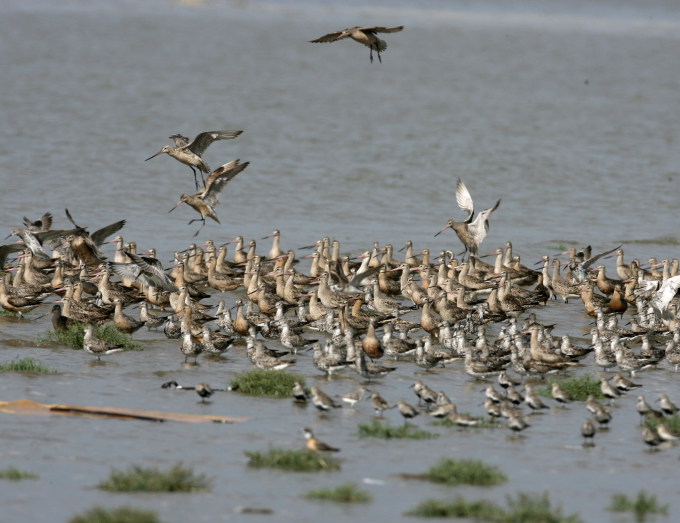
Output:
x=203 y=140
x=668 y=290
x=5 y=250
x=180 y=141
x=70 y=218
x=217 y=172
x=154 y=268
x=593 y=259
x=41 y=224
x=99 y=236
x=330 y=37
x=133 y=272
x=464 y=199
x=480 y=226
x=382 y=29
x=212 y=194
x=338 y=273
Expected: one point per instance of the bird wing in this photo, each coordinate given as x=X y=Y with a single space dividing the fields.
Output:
x=203 y=140
x=41 y=224
x=480 y=226
x=593 y=259
x=464 y=199
x=668 y=290
x=99 y=236
x=217 y=172
x=154 y=268
x=212 y=193
x=338 y=273
x=330 y=37
x=70 y=218
x=180 y=141
x=382 y=29
x=356 y=281
x=5 y=250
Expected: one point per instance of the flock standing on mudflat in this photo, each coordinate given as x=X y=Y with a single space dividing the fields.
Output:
x=347 y=302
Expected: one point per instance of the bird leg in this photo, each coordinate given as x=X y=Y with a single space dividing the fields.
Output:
x=195 y=177
x=198 y=220
x=379 y=59
x=371 y=55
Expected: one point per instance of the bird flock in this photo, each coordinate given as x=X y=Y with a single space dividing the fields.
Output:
x=371 y=314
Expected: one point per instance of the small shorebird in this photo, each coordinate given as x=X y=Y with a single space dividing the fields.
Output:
x=516 y=423
x=588 y=432
x=471 y=233
x=314 y=444
x=190 y=152
x=406 y=410
x=321 y=400
x=651 y=438
x=96 y=346
x=559 y=395
x=204 y=391
x=299 y=393
x=645 y=409
x=667 y=406
x=534 y=402
x=379 y=404
x=190 y=347
x=665 y=433
x=354 y=397
x=609 y=390
x=207 y=198
x=363 y=35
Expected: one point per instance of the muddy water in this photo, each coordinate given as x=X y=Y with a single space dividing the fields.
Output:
x=569 y=114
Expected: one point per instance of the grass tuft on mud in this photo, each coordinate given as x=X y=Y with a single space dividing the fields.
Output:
x=376 y=429
x=14 y=474
x=524 y=508
x=115 y=515
x=462 y=471
x=277 y=383
x=345 y=493
x=74 y=334
x=178 y=478
x=578 y=388
x=642 y=506
x=24 y=365
x=292 y=460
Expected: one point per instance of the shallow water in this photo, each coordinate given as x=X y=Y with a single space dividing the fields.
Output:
x=568 y=113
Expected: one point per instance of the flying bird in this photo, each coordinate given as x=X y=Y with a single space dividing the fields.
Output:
x=147 y=271
x=190 y=152
x=363 y=35
x=471 y=233
x=206 y=199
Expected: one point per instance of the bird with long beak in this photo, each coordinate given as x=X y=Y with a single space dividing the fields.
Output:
x=190 y=152
x=471 y=233
x=207 y=198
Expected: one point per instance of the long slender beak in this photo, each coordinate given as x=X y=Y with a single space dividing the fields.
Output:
x=175 y=207
x=308 y=246
x=9 y=235
x=441 y=231
x=272 y=234
x=149 y=158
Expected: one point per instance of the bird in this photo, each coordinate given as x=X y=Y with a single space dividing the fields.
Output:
x=406 y=410
x=667 y=406
x=379 y=404
x=663 y=293
x=651 y=438
x=321 y=400
x=314 y=444
x=190 y=152
x=559 y=395
x=588 y=432
x=207 y=198
x=471 y=233
x=299 y=393
x=147 y=271
x=363 y=35
x=96 y=346
x=347 y=286
x=354 y=397
x=204 y=391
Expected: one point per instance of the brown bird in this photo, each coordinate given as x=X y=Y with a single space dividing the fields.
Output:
x=314 y=444
x=190 y=152
x=471 y=233
x=363 y=35
x=206 y=199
